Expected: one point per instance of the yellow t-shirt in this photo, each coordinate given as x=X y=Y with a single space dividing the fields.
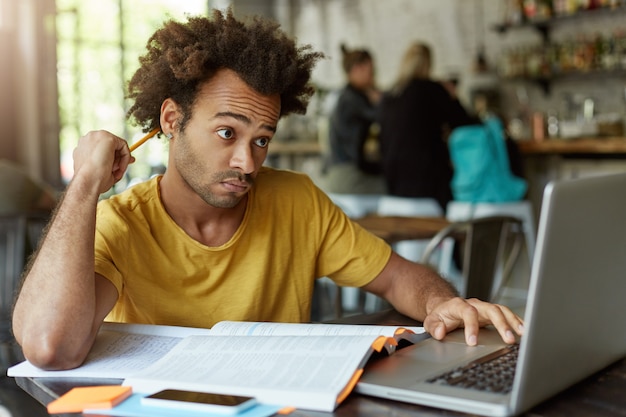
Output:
x=291 y=234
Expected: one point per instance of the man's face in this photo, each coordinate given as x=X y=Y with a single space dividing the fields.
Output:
x=225 y=141
x=362 y=74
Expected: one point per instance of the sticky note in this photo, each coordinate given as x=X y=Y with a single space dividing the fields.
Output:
x=81 y=398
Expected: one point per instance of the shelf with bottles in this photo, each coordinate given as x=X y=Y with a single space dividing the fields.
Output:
x=542 y=15
x=586 y=56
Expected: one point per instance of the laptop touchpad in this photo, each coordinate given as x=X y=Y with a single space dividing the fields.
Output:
x=430 y=356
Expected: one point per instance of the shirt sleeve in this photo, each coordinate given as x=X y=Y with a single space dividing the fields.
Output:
x=110 y=240
x=349 y=254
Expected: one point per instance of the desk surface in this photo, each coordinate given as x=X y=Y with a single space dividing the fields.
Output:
x=599 y=395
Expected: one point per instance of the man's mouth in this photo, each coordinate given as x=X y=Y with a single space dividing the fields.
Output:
x=234 y=185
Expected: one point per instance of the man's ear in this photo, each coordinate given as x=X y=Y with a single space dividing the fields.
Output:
x=170 y=114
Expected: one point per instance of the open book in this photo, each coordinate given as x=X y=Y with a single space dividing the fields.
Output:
x=310 y=366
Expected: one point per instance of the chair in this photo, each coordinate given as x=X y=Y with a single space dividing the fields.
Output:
x=489 y=245
x=461 y=210
x=19 y=236
x=523 y=210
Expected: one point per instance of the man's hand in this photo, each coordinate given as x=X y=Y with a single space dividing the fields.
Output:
x=103 y=157
x=472 y=314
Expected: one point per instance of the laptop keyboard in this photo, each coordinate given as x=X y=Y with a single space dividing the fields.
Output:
x=491 y=373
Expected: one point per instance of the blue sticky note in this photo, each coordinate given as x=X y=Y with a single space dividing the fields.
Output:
x=132 y=407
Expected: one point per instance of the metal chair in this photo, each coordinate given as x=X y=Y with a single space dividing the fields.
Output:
x=19 y=237
x=490 y=245
x=462 y=210
x=414 y=249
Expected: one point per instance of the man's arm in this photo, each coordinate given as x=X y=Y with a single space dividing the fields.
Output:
x=62 y=301
x=418 y=292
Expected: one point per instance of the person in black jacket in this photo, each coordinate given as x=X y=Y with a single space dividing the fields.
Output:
x=415 y=117
x=348 y=167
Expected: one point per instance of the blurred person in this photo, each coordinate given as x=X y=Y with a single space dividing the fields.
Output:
x=415 y=117
x=349 y=166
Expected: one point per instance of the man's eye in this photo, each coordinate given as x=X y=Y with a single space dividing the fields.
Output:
x=262 y=142
x=225 y=133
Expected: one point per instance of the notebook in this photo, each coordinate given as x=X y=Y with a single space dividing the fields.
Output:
x=574 y=312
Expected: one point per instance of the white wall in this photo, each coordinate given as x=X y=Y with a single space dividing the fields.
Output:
x=454 y=29
x=386 y=28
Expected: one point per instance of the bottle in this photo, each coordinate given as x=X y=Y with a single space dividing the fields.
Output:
x=553 y=124
x=539 y=127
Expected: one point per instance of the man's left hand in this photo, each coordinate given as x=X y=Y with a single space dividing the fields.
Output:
x=472 y=314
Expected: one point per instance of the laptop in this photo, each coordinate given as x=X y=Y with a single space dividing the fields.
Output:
x=573 y=318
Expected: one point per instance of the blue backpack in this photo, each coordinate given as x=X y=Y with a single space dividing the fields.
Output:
x=482 y=172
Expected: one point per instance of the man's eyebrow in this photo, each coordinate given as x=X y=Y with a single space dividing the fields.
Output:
x=243 y=119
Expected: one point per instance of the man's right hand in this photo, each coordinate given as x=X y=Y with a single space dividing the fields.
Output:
x=103 y=157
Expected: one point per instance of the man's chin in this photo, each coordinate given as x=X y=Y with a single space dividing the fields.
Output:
x=225 y=202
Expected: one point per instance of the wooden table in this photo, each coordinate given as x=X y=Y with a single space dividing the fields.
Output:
x=396 y=228
x=601 y=394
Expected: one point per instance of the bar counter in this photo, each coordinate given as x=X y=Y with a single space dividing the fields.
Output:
x=607 y=145
x=615 y=145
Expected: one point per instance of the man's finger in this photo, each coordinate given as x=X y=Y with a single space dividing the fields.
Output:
x=502 y=318
x=471 y=324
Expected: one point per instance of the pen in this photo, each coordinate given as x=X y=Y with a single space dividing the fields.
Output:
x=145 y=138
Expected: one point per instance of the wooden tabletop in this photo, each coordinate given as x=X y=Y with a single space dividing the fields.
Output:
x=396 y=228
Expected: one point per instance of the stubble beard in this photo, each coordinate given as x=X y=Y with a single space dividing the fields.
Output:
x=229 y=200
x=192 y=173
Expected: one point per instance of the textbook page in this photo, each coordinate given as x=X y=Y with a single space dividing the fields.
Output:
x=119 y=351
x=249 y=328
x=304 y=372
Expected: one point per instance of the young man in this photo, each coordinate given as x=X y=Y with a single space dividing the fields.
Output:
x=218 y=236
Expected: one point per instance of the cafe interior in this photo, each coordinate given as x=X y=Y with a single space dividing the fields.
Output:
x=553 y=71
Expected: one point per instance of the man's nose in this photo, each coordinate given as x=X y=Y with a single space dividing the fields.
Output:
x=242 y=158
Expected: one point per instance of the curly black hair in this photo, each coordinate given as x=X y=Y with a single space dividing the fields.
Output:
x=181 y=56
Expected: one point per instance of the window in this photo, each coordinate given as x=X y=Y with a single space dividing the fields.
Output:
x=99 y=43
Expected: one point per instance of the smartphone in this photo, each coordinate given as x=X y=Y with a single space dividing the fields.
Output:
x=199 y=401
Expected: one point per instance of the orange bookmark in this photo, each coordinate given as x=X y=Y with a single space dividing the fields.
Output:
x=81 y=398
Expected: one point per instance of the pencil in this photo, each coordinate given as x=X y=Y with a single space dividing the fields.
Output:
x=145 y=138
